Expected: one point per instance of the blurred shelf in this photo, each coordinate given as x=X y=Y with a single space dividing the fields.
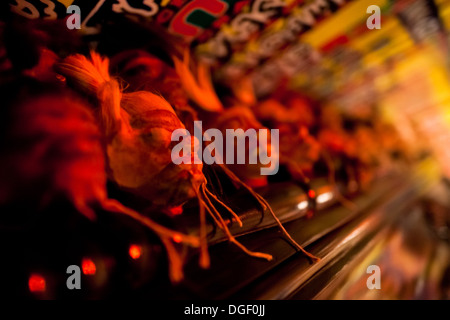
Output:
x=335 y=234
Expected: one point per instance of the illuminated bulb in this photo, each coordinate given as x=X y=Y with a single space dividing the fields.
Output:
x=88 y=267
x=325 y=197
x=36 y=283
x=176 y=211
x=177 y=238
x=135 y=251
x=311 y=193
x=302 y=205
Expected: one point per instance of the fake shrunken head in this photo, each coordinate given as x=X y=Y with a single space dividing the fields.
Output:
x=137 y=127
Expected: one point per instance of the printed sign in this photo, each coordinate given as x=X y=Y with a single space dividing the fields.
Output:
x=188 y=18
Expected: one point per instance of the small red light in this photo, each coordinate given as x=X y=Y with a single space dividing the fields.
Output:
x=135 y=251
x=176 y=211
x=36 y=283
x=177 y=238
x=311 y=194
x=88 y=267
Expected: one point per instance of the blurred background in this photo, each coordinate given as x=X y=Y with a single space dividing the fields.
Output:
x=359 y=91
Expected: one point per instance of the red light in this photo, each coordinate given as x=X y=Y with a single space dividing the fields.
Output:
x=88 y=267
x=135 y=251
x=36 y=283
x=176 y=211
x=311 y=194
x=177 y=238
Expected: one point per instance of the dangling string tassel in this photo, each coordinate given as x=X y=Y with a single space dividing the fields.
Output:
x=210 y=207
x=265 y=205
x=236 y=217
x=332 y=179
x=213 y=211
x=204 y=255
x=238 y=181
x=280 y=225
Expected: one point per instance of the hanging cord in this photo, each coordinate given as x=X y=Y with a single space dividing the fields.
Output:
x=213 y=211
x=204 y=256
x=265 y=205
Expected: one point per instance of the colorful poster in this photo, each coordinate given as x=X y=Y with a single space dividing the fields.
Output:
x=188 y=18
x=241 y=47
x=234 y=36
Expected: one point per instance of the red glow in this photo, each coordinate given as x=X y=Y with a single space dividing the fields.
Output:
x=311 y=194
x=36 y=283
x=88 y=267
x=135 y=251
x=177 y=238
x=257 y=182
x=176 y=211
